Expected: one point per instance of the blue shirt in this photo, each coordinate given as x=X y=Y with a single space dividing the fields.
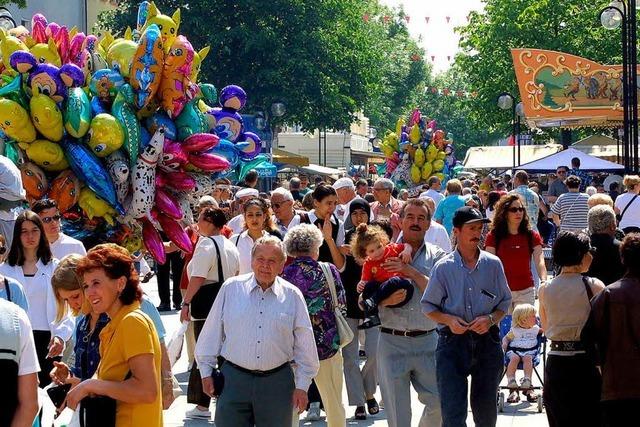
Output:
x=531 y=202
x=87 y=348
x=467 y=293
x=16 y=292
x=446 y=208
x=585 y=179
x=150 y=310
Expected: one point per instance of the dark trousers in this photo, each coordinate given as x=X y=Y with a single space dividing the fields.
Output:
x=377 y=292
x=620 y=412
x=170 y=270
x=250 y=400
x=461 y=356
x=41 y=340
x=572 y=391
x=195 y=394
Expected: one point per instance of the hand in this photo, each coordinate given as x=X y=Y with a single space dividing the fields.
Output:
x=185 y=316
x=78 y=393
x=395 y=265
x=327 y=229
x=300 y=400
x=360 y=286
x=457 y=325
x=60 y=373
x=345 y=250
x=396 y=298
x=56 y=347
x=480 y=325
x=405 y=256
x=167 y=392
x=207 y=386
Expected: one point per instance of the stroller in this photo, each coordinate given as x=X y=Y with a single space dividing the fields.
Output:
x=505 y=326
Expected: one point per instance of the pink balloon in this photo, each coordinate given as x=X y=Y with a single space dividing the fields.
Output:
x=200 y=142
x=167 y=205
x=179 y=181
x=208 y=162
x=175 y=232
x=152 y=240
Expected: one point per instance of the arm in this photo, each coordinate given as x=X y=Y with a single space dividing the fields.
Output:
x=396 y=265
x=194 y=286
x=506 y=340
x=336 y=255
x=541 y=311
x=405 y=255
x=541 y=267
x=304 y=353
x=166 y=377
x=209 y=342
x=27 y=401
x=556 y=218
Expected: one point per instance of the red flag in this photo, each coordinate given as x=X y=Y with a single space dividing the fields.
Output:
x=415 y=57
x=433 y=58
x=459 y=94
x=448 y=57
x=434 y=90
x=426 y=18
x=511 y=141
x=407 y=18
x=386 y=19
x=446 y=92
x=365 y=17
x=448 y=18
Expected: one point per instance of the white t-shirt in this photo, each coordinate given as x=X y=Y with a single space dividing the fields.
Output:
x=236 y=224
x=204 y=262
x=245 y=243
x=27 y=356
x=65 y=245
x=631 y=217
x=437 y=235
x=433 y=194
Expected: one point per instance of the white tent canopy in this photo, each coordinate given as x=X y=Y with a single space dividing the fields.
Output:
x=501 y=156
x=563 y=158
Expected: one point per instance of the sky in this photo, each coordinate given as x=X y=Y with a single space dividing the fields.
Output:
x=438 y=37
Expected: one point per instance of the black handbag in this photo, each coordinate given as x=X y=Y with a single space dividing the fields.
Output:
x=202 y=301
x=99 y=411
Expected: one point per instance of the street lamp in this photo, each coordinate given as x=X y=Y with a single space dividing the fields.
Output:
x=506 y=101
x=623 y=14
x=6 y=19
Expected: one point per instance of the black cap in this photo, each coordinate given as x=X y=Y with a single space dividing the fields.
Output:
x=467 y=215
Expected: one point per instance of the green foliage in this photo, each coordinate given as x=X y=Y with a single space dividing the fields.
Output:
x=486 y=66
x=20 y=3
x=321 y=58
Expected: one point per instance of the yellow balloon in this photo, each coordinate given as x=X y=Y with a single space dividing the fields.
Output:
x=168 y=24
x=438 y=165
x=426 y=171
x=399 y=125
x=431 y=153
x=46 y=53
x=414 y=135
x=120 y=56
x=198 y=57
x=105 y=135
x=94 y=206
x=46 y=154
x=419 y=157
x=47 y=117
x=8 y=45
x=415 y=174
x=15 y=121
x=440 y=175
x=441 y=155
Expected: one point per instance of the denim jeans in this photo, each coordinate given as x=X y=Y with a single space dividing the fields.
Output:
x=461 y=356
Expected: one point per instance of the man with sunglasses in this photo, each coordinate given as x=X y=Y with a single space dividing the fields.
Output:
x=61 y=244
x=558 y=187
x=285 y=216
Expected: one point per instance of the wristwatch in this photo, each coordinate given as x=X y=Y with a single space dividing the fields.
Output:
x=491 y=319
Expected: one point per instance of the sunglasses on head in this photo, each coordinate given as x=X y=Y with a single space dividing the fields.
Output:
x=48 y=219
x=514 y=210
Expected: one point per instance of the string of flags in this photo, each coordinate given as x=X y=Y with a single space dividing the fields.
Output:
x=386 y=18
x=450 y=92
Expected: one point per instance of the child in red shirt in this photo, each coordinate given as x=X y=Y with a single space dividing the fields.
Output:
x=372 y=245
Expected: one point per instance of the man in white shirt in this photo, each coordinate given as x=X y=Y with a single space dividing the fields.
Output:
x=346 y=191
x=284 y=215
x=435 y=185
x=237 y=222
x=259 y=324
x=61 y=244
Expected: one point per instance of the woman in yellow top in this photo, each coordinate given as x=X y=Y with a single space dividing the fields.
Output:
x=129 y=370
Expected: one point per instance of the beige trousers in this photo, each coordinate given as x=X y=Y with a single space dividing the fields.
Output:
x=329 y=381
x=525 y=296
x=189 y=337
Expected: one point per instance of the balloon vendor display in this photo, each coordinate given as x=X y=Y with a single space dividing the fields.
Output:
x=417 y=150
x=118 y=130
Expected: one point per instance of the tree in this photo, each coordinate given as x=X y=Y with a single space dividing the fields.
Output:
x=486 y=66
x=321 y=58
x=20 y=3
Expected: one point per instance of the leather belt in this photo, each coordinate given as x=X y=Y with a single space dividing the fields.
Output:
x=411 y=334
x=258 y=373
x=567 y=346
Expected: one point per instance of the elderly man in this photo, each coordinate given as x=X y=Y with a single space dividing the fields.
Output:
x=237 y=222
x=467 y=296
x=60 y=244
x=407 y=343
x=435 y=185
x=607 y=264
x=529 y=198
x=385 y=204
x=296 y=190
x=346 y=191
x=259 y=324
x=285 y=216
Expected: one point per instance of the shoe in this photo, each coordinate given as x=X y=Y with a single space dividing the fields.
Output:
x=525 y=383
x=147 y=277
x=369 y=322
x=164 y=307
x=198 y=413
x=372 y=406
x=360 y=414
x=532 y=396
x=313 y=414
x=362 y=354
x=514 y=397
x=512 y=384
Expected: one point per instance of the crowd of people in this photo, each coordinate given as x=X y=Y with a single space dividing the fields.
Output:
x=282 y=289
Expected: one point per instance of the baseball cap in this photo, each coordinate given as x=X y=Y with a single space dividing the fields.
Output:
x=343 y=183
x=467 y=215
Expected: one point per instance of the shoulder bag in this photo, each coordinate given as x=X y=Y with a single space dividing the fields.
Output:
x=202 y=301
x=344 y=331
x=619 y=217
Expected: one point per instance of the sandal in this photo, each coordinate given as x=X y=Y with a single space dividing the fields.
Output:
x=372 y=406
x=360 y=414
x=532 y=396
x=514 y=397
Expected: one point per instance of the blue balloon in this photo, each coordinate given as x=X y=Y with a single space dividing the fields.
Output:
x=145 y=137
x=88 y=168
x=160 y=119
x=97 y=107
x=228 y=150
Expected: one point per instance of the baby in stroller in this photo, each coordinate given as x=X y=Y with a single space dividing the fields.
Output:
x=521 y=345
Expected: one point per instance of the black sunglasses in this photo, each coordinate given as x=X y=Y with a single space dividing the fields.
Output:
x=48 y=219
x=514 y=210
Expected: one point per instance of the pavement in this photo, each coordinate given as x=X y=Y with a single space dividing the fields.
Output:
x=523 y=414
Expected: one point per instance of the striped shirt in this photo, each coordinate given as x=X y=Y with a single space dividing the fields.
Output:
x=572 y=208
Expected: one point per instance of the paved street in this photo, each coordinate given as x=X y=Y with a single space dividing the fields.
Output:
x=521 y=415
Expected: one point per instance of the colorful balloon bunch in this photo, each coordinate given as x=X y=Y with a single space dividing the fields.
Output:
x=117 y=130
x=416 y=151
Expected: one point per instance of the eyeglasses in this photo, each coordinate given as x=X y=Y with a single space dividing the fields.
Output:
x=514 y=210
x=48 y=219
x=561 y=172
x=276 y=205
x=379 y=189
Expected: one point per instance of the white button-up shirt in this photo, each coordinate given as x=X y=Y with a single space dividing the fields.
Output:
x=245 y=243
x=259 y=330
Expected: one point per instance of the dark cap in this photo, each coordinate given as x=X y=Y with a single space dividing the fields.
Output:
x=467 y=215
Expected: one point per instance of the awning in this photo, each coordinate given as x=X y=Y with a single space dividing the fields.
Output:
x=322 y=170
x=601 y=146
x=287 y=158
x=563 y=158
x=501 y=157
x=371 y=157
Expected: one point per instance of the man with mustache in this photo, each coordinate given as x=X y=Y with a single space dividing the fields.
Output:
x=468 y=296
x=407 y=343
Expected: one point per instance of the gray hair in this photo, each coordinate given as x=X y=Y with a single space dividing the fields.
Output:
x=303 y=239
x=601 y=219
x=271 y=241
x=386 y=183
x=207 y=201
x=281 y=191
x=294 y=183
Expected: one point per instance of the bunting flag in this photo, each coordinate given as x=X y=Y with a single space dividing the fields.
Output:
x=448 y=18
x=365 y=17
x=415 y=57
x=450 y=92
x=426 y=18
x=407 y=18
x=386 y=19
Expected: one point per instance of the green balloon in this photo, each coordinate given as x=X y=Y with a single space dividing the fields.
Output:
x=12 y=89
x=245 y=167
x=122 y=109
x=191 y=120
x=11 y=152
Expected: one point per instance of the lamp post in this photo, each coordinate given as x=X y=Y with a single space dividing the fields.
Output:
x=623 y=13
x=264 y=119
x=506 y=101
x=6 y=19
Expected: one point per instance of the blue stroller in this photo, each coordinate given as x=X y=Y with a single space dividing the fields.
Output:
x=505 y=326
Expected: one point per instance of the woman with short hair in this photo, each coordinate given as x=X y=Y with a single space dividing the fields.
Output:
x=303 y=243
x=628 y=205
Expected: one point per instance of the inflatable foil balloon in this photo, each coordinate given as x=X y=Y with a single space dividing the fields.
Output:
x=146 y=69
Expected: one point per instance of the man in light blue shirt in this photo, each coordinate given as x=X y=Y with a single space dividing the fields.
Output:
x=447 y=207
x=11 y=290
x=528 y=197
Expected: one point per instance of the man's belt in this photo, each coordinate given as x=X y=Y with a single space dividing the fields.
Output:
x=567 y=346
x=411 y=334
x=258 y=373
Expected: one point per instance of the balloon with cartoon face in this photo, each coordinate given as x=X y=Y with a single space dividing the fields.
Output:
x=176 y=87
x=105 y=135
x=47 y=117
x=146 y=68
x=15 y=121
x=46 y=154
x=226 y=123
x=105 y=84
x=168 y=25
x=120 y=56
x=233 y=97
x=46 y=53
x=77 y=113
